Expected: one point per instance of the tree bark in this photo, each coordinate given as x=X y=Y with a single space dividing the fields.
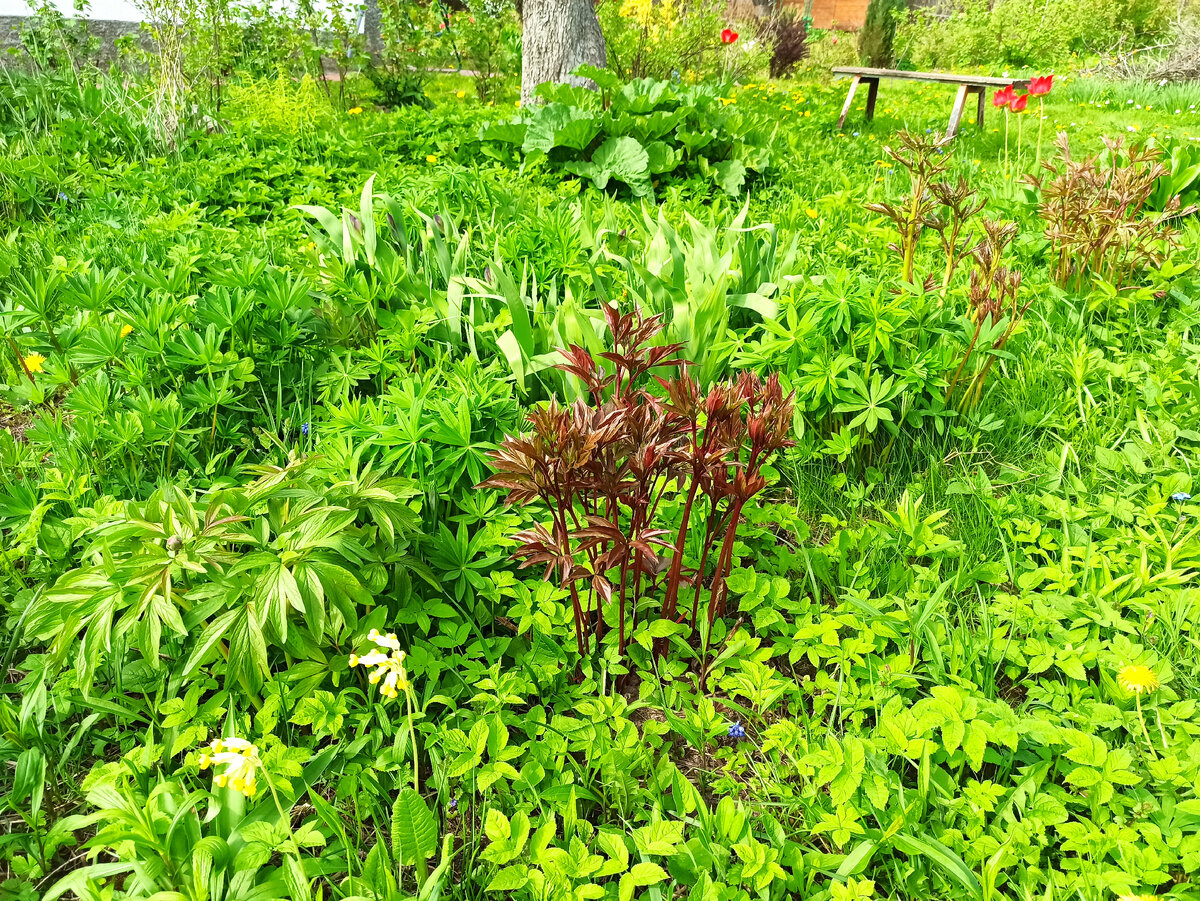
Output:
x=558 y=36
x=372 y=28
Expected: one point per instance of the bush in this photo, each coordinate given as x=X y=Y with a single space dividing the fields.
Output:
x=827 y=49
x=488 y=35
x=787 y=34
x=879 y=31
x=1023 y=32
x=667 y=40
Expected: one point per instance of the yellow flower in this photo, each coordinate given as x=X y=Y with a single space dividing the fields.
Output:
x=431 y=158
x=1137 y=679
x=34 y=362
x=388 y=667
x=641 y=11
x=240 y=761
x=354 y=110
x=812 y=214
x=1138 y=898
x=126 y=330
x=517 y=104
x=461 y=94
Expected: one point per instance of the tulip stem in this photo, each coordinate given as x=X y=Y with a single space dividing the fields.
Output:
x=1041 y=121
x=1006 y=142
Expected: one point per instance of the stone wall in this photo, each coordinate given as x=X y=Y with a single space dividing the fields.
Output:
x=108 y=31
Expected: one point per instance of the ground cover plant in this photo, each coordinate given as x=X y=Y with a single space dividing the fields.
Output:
x=393 y=511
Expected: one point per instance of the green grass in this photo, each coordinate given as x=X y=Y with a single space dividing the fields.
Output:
x=929 y=691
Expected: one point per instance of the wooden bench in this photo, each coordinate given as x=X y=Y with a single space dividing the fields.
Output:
x=967 y=84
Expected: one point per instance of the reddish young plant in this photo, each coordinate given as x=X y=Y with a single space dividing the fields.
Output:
x=614 y=470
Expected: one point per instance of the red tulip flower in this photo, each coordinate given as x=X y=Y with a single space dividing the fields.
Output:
x=1004 y=97
x=728 y=36
x=1019 y=104
x=1040 y=85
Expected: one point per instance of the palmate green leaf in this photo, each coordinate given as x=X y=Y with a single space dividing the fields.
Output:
x=414 y=832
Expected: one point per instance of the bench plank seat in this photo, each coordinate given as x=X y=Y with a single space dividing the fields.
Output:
x=967 y=85
x=983 y=81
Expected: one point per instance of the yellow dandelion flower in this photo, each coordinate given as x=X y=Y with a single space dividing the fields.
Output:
x=1137 y=679
x=354 y=111
x=34 y=362
x=812 y=214
x=126 y=330
x=431 y=158
x=461 y=94
x=517 y=104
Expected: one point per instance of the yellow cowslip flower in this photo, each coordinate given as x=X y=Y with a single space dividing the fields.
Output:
x=461 y=94
x=431 y=158
x=354 y=110
x=34 y=362
x=126 y=330
x=240 y=761
x=1137 y=679
x=389 y=667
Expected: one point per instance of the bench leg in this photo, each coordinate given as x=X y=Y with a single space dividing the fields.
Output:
x=979 y=110
x=872 y=93
x=849 y=100
x=960 y=100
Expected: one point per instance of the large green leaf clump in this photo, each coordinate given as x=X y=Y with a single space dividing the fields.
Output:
x=636 y=133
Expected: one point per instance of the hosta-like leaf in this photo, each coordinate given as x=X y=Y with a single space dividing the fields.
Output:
x=504 y=133
x=414 y=832
x=559 y=125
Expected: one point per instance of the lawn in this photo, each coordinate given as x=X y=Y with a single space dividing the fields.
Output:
x=410 y=503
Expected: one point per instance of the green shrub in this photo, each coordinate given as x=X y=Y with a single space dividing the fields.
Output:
x=1023 y=32
x=673 y=40
x=827 y=49
x=879 y=31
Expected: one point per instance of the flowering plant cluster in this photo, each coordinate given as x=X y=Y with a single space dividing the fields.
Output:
x=1008 y=98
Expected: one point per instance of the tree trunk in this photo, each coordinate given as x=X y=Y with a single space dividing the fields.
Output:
x=372 y=22
x=558 y=36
